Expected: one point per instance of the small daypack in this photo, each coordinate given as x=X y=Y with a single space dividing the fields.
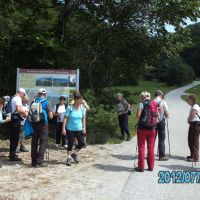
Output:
x=36 y=112
x=7 y=109
x=148 y=119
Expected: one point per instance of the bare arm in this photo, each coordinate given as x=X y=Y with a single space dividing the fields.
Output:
x=192 y=115
x=166 y=114
x=84 y=125
x=64 y=125
x=50 y=114
x=138 y=114
x=21 y=111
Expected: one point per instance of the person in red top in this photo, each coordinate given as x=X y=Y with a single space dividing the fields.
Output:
x=146 y=131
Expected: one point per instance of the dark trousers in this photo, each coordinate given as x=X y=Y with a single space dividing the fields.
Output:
x=193 y=140
x=123 y=123
x=14 y=136
x=75 y=134
x=59 y=135
x=160 y=129
x=39 y=138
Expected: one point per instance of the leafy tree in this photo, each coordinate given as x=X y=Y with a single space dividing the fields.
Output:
x=174 y=71
x=191 y=55
x=111 y=41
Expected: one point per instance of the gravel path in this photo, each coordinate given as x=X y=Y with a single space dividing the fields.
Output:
x=106 y=172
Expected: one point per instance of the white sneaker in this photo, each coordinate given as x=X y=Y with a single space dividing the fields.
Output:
x=57 y=145
x=65 y=145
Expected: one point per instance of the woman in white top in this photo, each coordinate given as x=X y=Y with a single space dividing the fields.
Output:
x=194 y=128
x=59 y=113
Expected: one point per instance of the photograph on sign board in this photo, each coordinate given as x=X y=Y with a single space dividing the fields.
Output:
x=44 y=81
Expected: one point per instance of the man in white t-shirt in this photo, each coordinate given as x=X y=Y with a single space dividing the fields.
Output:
x=160 y=129
x=17 y=113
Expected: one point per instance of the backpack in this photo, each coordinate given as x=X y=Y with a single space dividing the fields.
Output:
x=148 y=118
x=129 y=111
x=36 y=112
x=7 y=109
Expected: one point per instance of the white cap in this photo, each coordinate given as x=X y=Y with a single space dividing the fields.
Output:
x=22 y=90
x=42 y=91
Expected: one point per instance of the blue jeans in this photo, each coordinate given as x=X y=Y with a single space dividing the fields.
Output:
x=123 y=123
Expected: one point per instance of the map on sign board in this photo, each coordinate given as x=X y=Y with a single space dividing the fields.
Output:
x=56 y=82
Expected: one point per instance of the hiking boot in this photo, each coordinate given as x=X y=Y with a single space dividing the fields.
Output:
x=128 y=138
x=84 y=146
x=23 y=148
x=164 y=158
x=192 y=160
x=69 y=162
x=42 y=164
x=75 y=157
x=122 y=137
x=14 y=157
x=138 y=169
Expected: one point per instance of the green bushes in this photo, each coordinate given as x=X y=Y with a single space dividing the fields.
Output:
x=174 y=71
x=101 y=125
x=102 y=122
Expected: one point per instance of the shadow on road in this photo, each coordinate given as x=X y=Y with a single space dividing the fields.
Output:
x=113 y=168
x=177 y=158
x=124 y=157
x=179 y=167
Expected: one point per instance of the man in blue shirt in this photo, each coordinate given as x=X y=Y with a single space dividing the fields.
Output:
x=41 y=132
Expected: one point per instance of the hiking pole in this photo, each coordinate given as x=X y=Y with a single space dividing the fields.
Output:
x=168 y=137
x=136 y=150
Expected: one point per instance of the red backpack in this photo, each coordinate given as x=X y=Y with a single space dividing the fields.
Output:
x=148 y=118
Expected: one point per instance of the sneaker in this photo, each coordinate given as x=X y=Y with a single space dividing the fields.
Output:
x=138 y=169
x=150 y=169
x=17 y=150
x=23 y=149
x=69 y=162
x=164 y=158
x=75 y=157
x=65 y=146
x=57 y=145
x=14 y=158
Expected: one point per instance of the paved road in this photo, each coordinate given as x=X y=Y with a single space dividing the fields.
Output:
x=145 y=185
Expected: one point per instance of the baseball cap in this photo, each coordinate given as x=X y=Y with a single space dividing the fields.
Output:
x=42 y=91
x=22 y=90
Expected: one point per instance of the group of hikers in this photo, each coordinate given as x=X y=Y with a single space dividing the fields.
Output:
x=152 y=116
x=70 y=125
x=70 y=117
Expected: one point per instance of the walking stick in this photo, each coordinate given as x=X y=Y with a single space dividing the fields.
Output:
x=136 y=149
x=168 y=137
